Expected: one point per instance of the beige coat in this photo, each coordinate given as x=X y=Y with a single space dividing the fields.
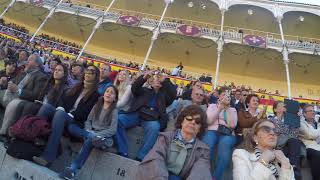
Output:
x=247 y=167
x=153 y=166
x=308 y=135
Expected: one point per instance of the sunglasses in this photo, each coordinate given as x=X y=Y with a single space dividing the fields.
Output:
x=268 y=130
x=190 y=118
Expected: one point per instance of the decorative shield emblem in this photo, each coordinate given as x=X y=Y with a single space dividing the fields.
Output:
x=188 y=30
x=129 y=20
x=36 y=2
x=253 y=40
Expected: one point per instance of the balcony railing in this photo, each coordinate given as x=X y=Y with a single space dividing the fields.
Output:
x=207 y=29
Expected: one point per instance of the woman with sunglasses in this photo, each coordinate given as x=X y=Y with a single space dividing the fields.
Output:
x=259 y=160
x=74 y=107
x=247 y=117
x=222 y=119
x=179 y=154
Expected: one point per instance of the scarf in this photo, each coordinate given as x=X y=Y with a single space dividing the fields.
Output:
x=270 y=166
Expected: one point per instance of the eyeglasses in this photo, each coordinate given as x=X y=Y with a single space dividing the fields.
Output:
x=197 y=94
x=268 y=130
x=90 y=71
x=196 y=120
x=310 y=111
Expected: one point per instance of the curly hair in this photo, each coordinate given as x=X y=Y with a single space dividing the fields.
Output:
x=249 y=97
x=191 y=111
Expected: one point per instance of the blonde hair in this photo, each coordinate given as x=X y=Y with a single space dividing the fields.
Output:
x=122 y=86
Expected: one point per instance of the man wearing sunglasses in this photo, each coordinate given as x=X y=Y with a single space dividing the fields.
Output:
x=310 y=136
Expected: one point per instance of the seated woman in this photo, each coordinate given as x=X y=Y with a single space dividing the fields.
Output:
x=247 y=117
x=74 y=107
x=123 y=83
x=288 y=138
x=222 y=119
x=179 y=154
x=99 y=128
x=259 y=160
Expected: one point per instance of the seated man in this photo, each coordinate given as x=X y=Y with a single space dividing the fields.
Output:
x=104 y=80
x=197 y=97
x=148 y=109
x=28 y=89
x=310 y=136
x=76 y=75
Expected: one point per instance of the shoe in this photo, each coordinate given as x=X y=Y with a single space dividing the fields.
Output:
x=297 y=173
x=138 y=159
x=40 y=161
x=67 y=174
x=4 y=138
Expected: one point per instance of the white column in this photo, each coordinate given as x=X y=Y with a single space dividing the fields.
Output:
x=52 y=10
x=155 y=34
x=7 y=8
x=219 y=49
x=99 y=22
x=285 y=55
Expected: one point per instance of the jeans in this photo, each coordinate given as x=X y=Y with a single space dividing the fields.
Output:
x=293 y=151
x=225 y=146
x=47 y=111
x=151 y=131
x=86 y=148
x=59 y=121
x=313 y=157
x=11 y=115
x=173 y=177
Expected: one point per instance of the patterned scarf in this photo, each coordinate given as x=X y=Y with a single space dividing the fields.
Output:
x=270 y=166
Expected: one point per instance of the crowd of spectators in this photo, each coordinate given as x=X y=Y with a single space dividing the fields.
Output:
x=185 y=128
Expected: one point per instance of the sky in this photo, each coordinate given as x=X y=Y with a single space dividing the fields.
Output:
x=315 y=2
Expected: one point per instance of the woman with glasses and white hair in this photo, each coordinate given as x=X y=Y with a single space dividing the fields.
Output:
x=259 y=160
x=179 y=154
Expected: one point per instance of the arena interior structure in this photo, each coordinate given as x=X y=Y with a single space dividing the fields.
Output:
x=266 y=44
x=246 y=42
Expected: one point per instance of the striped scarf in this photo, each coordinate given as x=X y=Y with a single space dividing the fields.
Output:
x=270 y=166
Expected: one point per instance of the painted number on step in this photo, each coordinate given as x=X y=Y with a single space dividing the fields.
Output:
x=21 y=177
x=121 y=172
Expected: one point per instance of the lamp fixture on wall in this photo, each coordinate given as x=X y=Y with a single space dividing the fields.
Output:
x=301 y=18
x=250 y=12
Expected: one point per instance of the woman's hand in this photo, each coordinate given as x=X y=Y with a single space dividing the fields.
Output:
x=262 y=113
x=285 y=163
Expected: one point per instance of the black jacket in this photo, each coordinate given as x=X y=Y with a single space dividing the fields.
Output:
x=142 y=96
x=83 y=108
x=33 y=85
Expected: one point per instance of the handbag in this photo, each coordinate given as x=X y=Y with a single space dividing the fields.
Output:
x=148 y=114
x=224 y=130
